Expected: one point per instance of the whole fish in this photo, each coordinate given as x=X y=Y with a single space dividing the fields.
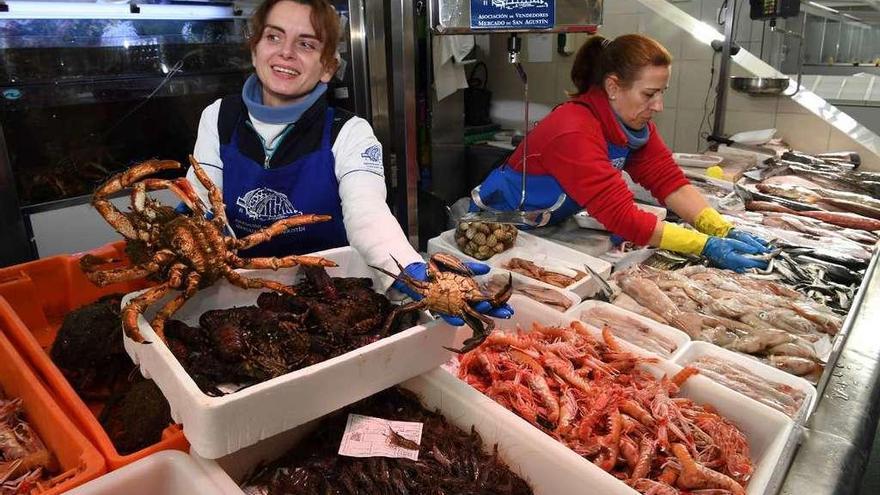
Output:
x=841 y=219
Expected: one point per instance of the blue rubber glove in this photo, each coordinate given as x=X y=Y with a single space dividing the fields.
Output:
x=419 y=271
x=749 y=239
x=728 y=253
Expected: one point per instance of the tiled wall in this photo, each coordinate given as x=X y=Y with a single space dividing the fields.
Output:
x=686 y=102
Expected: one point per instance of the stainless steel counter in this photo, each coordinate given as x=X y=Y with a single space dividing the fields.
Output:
x=838 y=437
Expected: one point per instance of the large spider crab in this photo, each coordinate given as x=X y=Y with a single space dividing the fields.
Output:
x=451 y=292
x=187 y=252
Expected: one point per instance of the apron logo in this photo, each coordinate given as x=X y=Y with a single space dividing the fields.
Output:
x=266 y=205
x=373 y=153
x=618 y=163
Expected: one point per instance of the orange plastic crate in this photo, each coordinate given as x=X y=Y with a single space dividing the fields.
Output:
x=78 y=459
x=34 y=298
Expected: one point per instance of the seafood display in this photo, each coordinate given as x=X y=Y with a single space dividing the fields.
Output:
x=736 y=312
x=557 y=276
x=451 y=291
x=826 y=198
x=88 y=350
x=630 y=330
x=184 y=252
x=483 y=240
x=450 y=461
x=841 y=219
x=543 y=295
x=282 y=333
x=24 y=458
x=593 y=396
x=779 y=396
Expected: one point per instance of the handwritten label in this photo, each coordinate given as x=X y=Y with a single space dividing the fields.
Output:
x=366 y=436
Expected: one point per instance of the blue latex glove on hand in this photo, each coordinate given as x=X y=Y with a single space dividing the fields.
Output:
x=749 y=239
x=419 y=271
x=728 y=253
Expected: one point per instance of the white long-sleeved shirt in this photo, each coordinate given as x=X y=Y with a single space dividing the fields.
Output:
x=371 y=228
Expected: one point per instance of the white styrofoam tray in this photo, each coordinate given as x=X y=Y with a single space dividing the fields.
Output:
x=680 y=338
x=519 y=279
x=169 y=472
x=772 y=435
x=216 y=426
x=697 y=350
x=534 y=248
x=585 y=221
x=696 y=160
x=549 y=467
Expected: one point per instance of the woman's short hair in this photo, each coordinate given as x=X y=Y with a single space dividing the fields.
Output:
x=325 y=21
x=624 y=56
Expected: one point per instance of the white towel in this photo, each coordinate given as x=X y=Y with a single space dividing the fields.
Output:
x=448 y=53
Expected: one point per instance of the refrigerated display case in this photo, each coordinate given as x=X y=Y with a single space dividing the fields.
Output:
x=88 y=89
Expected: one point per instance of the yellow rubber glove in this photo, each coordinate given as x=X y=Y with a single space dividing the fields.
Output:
x=710 y=222
x=681 y=240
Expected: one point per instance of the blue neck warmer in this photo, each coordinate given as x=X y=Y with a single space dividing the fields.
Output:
x=634 y=139
x=252 y=94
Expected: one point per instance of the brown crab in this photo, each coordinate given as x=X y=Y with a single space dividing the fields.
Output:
x=451 y=292
x=187 y=252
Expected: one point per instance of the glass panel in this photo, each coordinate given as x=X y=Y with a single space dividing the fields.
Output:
x=82 y=99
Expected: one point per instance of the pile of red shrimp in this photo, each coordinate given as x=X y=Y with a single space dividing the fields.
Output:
x=594 y=397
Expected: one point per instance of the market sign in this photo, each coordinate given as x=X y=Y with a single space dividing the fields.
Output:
x=513 y=14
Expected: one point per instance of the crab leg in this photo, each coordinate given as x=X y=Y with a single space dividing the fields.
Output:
x=214 y=194
x=255 y=283
x=399 y=310
x=402 y=277
x=278 y=228
x=119 y=182
x=136 y=307
x=158 y=323
x=449 y=262
x=481 y=325
x=180 y=187
x=285 y=262
x=115 y=275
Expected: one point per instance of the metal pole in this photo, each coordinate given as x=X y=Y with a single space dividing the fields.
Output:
x=360 y=66
x=724 y=68
x=403 y=77
x=822 y=44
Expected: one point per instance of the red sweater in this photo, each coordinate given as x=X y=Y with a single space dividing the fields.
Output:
x=571 y=144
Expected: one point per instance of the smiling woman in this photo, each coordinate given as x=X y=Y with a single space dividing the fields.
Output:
x=280 y=148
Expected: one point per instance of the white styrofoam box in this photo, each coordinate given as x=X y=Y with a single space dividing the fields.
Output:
x=621 y=261
x=549 y=467
x=534 y=248
x=584 y=220
x=772 y=436
x=216 y=426
x=169 y=472
x=680 y=338
x=697 y=350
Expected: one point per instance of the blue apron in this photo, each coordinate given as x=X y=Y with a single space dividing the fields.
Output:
x=502 y=189
x=257 y=197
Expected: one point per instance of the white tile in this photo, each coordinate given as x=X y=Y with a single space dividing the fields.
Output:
x=709 y=12
x=670 y=99
x=803 y=132
x=666 y=33
x=615 y=7
x=747 y=121
x=563 y=77
x=693 y=49
x=693 y=84
x=614 y=26
x=687 y=131
x=690 y=7
x=739 y=102
x=665 y=122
